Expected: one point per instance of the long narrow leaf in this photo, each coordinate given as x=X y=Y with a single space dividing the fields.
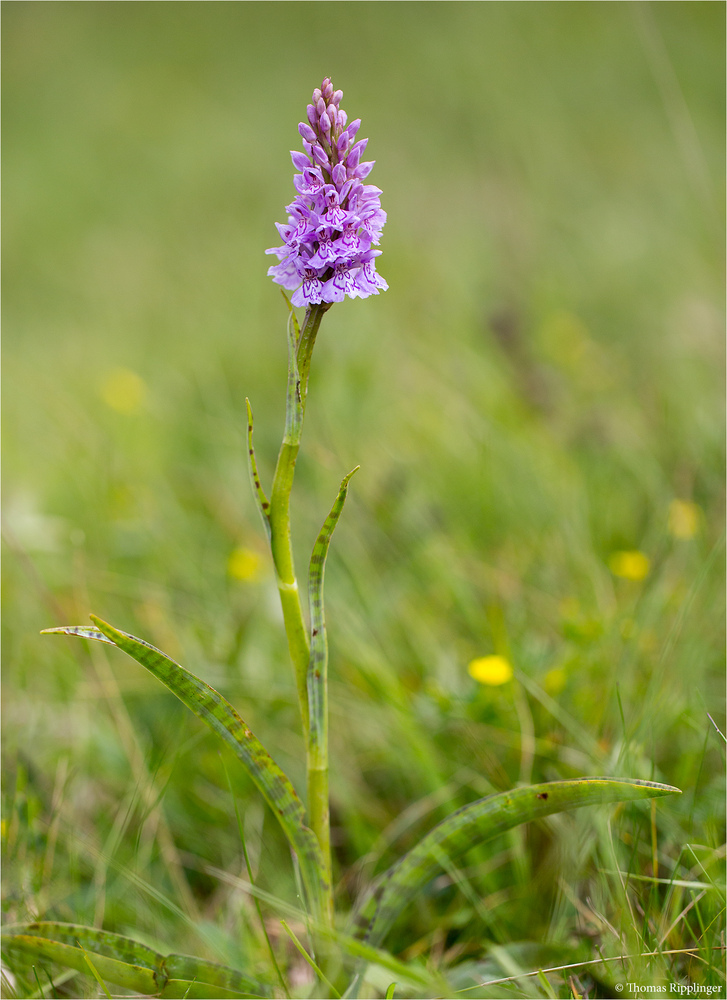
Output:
x=318 y=663
x=481 y=821
x=263 y=505
x=209 y=979
x=222 y=718
x=123 y=961
x=126 y=962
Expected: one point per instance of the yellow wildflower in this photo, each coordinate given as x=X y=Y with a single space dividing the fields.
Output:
x=123 y=390
x=492 y=670
x=684 y=519
x=244 y=564
x=631 y=564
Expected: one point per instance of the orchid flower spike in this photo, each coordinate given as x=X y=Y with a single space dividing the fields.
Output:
x=335 y=220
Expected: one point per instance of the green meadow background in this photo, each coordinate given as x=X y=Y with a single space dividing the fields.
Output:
x=537 y=408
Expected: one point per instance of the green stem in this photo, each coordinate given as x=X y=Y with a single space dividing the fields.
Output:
x=308 y=334
x=281 y=543
x=282 y=549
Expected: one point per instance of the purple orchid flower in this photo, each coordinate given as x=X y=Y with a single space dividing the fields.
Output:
x=335 y=218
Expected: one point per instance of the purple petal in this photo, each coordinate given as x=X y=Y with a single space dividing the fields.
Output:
x=354 y=155
x=364 y=169
x=300 y=160
x=342 y=144
x=369 y=279
x=343 y=193
x=360 y=146
x=285 y=275
x=320 y=154
x=306 y=132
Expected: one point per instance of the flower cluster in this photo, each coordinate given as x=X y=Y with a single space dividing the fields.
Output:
x=335 y=220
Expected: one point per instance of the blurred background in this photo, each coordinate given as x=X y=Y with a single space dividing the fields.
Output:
x=536 y=405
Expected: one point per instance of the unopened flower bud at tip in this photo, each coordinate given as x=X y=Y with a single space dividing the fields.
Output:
x=337 y=97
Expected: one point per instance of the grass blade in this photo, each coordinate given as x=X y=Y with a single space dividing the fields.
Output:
x=41 y=994
x=309 y=960
x=127 y=963
x=96 y=974
x=221 y=717
x=481 y=821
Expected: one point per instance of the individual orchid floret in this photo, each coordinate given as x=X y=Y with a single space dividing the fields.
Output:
x=335 y=218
